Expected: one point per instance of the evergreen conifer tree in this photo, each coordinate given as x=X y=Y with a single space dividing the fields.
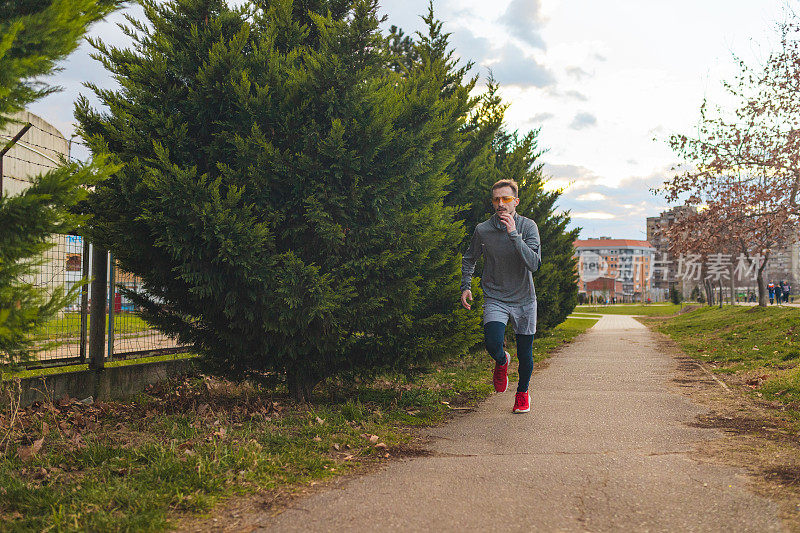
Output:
x=470 y=144
x=34 y=36
x=487 y=153
x=475 y=168
x=282 y=194
x=556 y=280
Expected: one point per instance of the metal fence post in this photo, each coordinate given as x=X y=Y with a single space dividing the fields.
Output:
x=97 y=322
x=111 y=304
x=84 y=300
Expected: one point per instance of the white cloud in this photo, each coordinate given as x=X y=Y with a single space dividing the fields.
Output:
x=577 y=73
x=540 y=117
x=558 y=184
x=594 y=215
x=470 y=47
x=592 y=197
x=569 y=178
x=512 y=66
x=573 y=94
x=577 y=95
x=583 y=120
x=524 y=19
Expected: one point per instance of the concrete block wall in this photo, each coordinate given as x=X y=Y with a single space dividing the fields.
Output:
x=40 y=149
x=112 y=383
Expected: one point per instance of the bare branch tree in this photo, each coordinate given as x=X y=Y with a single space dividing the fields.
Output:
x=744 y=163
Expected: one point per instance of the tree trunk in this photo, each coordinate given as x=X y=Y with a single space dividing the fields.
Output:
x=709 y=292
x=733 y=285
x=719 y=281
x=762 y=289
x=762 y=284
x=301 y=383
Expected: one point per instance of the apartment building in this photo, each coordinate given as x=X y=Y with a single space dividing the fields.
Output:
x=784 y=264
x=627 y=261
x=664 y=276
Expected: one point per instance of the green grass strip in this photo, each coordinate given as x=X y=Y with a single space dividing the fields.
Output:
x=758 y=345
x=632 y=309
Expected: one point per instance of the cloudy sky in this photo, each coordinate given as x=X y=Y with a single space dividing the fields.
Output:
x=607 y=83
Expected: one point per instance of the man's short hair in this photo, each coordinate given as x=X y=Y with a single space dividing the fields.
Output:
x=507 y=183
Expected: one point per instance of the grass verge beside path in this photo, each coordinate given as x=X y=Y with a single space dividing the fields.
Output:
x=182 y=447
x=660 y=309
x=754 y=348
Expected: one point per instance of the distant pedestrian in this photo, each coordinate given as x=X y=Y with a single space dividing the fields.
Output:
x=771 y=289
x=511 y=248
x=786 y=291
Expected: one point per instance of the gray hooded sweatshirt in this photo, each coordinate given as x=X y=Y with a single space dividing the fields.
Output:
x=510 y=259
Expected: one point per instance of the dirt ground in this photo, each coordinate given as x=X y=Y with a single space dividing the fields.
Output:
x=758 y=436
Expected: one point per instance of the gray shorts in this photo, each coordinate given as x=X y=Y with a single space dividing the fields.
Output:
x=522 y=317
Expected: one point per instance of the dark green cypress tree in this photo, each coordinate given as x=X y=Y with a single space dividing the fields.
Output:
x=402 y=51
x=556 y=280
x=34 y=36
x=473 y=162
x=487 y=153
x=475 y=168
x=282 y=190
x=437 y=325
x=473 y=165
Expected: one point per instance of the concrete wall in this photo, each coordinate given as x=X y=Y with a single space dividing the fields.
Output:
x=111 y=383
x=40 y=149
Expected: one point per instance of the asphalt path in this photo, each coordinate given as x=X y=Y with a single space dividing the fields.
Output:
x=607 y=446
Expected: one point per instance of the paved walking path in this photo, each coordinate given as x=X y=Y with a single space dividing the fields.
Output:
x=603 y=449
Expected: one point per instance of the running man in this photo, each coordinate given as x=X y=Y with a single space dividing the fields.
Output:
x=510 y=245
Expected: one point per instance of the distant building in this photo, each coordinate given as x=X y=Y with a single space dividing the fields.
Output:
x=626 y=261
x=784 y=264
x=39 y=150
x=664 y=274
x=606 y=289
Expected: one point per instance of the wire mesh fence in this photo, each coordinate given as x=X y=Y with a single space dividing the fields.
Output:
x=64 y=339
x=132 y=336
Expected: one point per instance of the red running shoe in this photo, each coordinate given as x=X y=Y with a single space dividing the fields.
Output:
x=500 y=376
x=521 y=403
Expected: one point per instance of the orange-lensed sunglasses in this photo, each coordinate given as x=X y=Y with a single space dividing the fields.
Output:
x=504 y=199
